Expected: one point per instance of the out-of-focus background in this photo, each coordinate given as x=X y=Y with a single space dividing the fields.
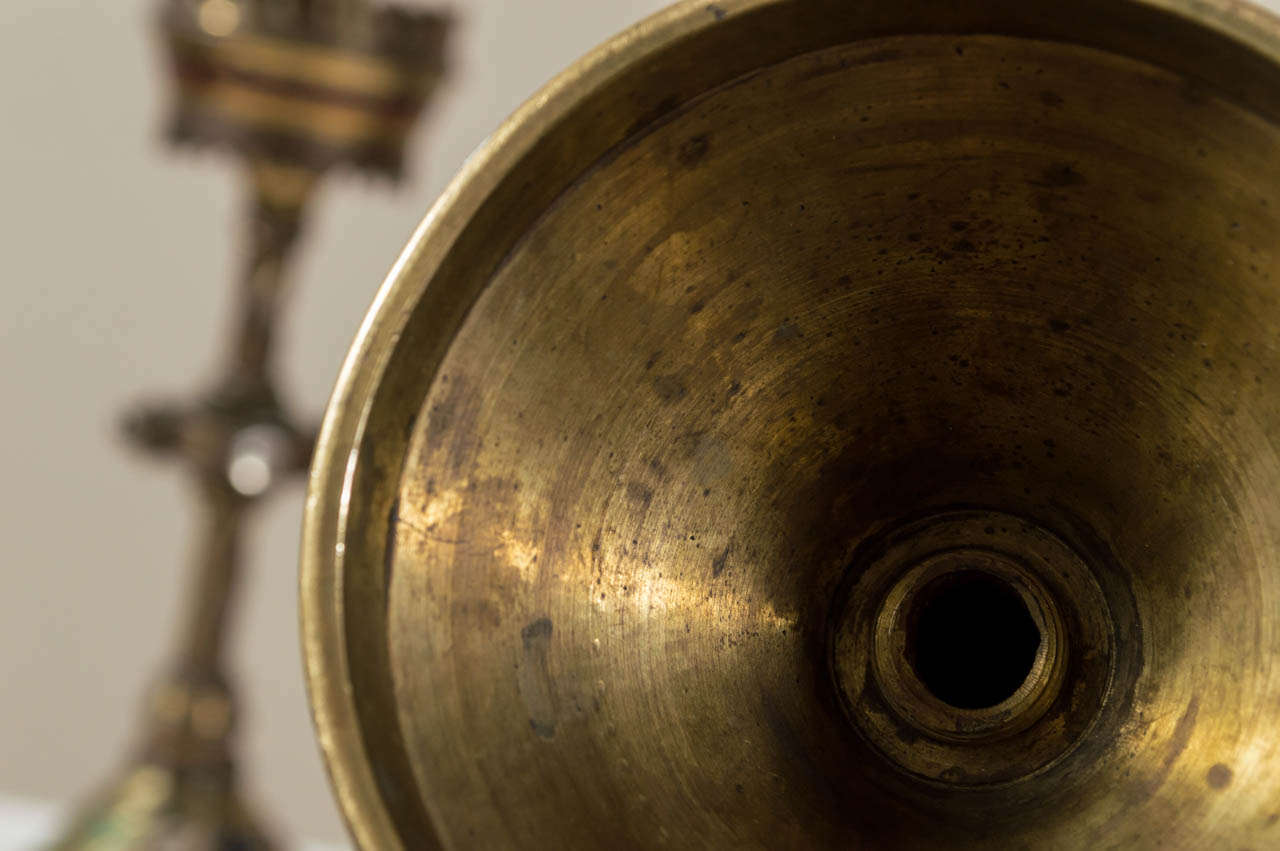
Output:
x=115 y=268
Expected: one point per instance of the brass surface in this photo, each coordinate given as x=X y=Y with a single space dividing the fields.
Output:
x=750 y=342
x=341 y=84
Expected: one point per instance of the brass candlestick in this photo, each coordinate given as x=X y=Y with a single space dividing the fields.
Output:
x=292 y=88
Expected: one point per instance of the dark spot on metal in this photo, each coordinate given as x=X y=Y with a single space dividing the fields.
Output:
x=719 y=562
x=536 y=631
x=697 y=306
x=906 y=734
x=964 y=246
x=1272 y=819
x=640 y=492
x=669 y=388
x=716 y=11
x=786 y=331
x=1051 y=99
x=442 y=414
x=958 y=226
x=533 y=678
x=1059 y=177
x=692 y=151
x=656 y=113
x=1219 y=776
x=1059 y=326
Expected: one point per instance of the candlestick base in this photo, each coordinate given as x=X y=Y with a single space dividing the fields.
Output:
x=181 y=792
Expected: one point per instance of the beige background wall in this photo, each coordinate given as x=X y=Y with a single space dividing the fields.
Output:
x=115 y=257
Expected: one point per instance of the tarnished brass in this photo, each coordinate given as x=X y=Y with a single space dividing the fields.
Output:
x=292 y=89
x=832 y=425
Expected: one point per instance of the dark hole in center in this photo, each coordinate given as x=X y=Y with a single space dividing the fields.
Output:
x=971 y=639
